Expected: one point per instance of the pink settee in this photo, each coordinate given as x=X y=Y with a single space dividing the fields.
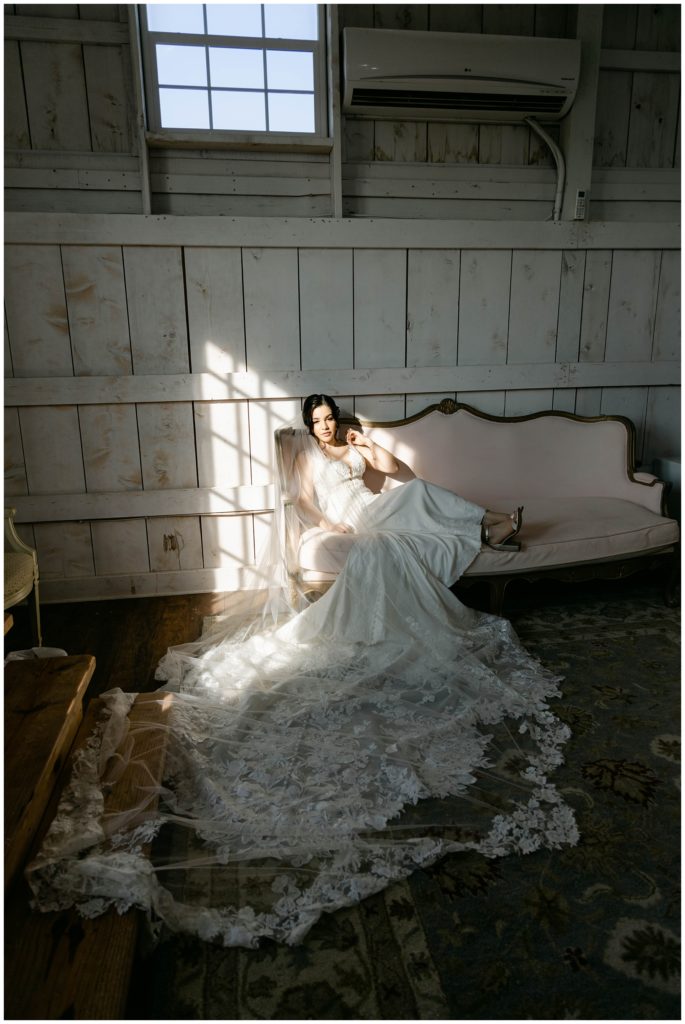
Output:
x=587 y=512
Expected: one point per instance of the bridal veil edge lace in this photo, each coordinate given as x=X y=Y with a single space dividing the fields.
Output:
x=316 y=753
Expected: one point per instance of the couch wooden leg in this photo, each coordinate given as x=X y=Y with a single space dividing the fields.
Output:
x=497 y=588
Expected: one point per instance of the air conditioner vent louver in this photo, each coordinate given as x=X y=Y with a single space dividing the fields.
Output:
x=458 y=76
x=408 y=98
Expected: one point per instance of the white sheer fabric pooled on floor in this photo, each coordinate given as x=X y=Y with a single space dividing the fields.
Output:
x=316 y=759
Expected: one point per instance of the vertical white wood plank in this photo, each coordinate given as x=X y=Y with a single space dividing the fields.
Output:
x=272 y=315
x=534 y=306
x=16 y=119
x=524 y=403
x=403 y=16
x=65 y=550
x=400 y=141
x=629 y=402
x=456 y=18
x=111 y=454
x=358 y=140
x=157 y=316
x=417 y=403
x=564 y=399
x=612 y=117
x=265 y=419
x=432 y=307
x=167 y=445
x=216 y=320
x=120 y=547
x=509 y=19
x=556 y=21
x=175 y=543
x=356 y=15
x=588 y=401
x=36 y=311
x=484 y=306
x=667 y=321
x=222 y=434
x=504 y=144
x=108 y=72
x=653 y=119
x=453 y=143
x=489 y=402
x=227 y=541
x=326 y=323
x=52 y=449
x=619 y=26
x=596 y=288
x=658 y=27
x=380 y=408
x=96 y=304
x=570 y=306
x=663 y=426
x=15 y=470
x=632 y=305
x=56 y=96
x=380 y=307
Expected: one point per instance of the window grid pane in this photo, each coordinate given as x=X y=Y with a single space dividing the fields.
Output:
x=234 y=88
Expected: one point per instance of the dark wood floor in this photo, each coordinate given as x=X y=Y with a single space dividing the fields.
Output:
x=127 y=637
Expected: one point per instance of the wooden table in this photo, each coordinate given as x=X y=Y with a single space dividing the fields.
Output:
x=43 y=710
x=58 y=965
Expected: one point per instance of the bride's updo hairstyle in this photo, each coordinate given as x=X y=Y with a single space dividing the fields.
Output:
x=312 y=403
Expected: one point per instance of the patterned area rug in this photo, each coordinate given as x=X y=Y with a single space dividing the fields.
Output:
x=588 y=933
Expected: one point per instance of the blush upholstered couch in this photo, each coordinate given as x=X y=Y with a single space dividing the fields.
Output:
x=587 y=511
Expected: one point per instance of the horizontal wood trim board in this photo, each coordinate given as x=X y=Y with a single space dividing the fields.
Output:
x=57 y=508
x=29 y=177
x=205 y=184
x=275 y=384
x=66 y=30
x=327 y=233
x=420 y=188
x=290 y=165
x=192 y=581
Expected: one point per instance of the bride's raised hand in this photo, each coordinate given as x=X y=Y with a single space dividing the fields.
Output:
x=355 y=437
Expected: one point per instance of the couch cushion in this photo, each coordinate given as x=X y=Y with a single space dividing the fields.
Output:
x=555 y=532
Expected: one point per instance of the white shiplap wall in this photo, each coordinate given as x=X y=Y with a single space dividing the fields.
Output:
x=148 y=378
x=150 y=358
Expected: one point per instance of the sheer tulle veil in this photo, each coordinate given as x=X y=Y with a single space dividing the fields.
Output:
x=316 y=751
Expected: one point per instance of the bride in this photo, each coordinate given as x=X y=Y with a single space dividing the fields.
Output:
x=315 y=756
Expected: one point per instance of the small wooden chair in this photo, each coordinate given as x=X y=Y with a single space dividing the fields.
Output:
x=21 y=575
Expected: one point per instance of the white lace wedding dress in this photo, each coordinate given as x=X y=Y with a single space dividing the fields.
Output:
x=312 y=762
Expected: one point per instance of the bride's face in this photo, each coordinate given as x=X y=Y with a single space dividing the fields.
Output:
x=323 y=424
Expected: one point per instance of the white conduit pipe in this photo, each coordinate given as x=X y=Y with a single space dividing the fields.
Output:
x=558 y=159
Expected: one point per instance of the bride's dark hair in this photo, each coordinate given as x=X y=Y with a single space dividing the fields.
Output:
x=311 y=403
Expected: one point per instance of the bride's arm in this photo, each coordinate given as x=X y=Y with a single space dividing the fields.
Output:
x=376 y=456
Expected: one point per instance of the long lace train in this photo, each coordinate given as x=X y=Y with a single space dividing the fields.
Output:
x=311 y=763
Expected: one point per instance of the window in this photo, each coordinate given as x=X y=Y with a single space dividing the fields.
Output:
x=235 y=67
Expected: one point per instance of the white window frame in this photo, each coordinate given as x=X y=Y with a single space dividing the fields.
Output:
x=317 y=47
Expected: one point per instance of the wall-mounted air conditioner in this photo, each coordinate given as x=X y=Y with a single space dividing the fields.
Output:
x=454 y=76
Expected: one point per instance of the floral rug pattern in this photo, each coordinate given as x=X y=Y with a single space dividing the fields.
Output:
x=591 y=932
